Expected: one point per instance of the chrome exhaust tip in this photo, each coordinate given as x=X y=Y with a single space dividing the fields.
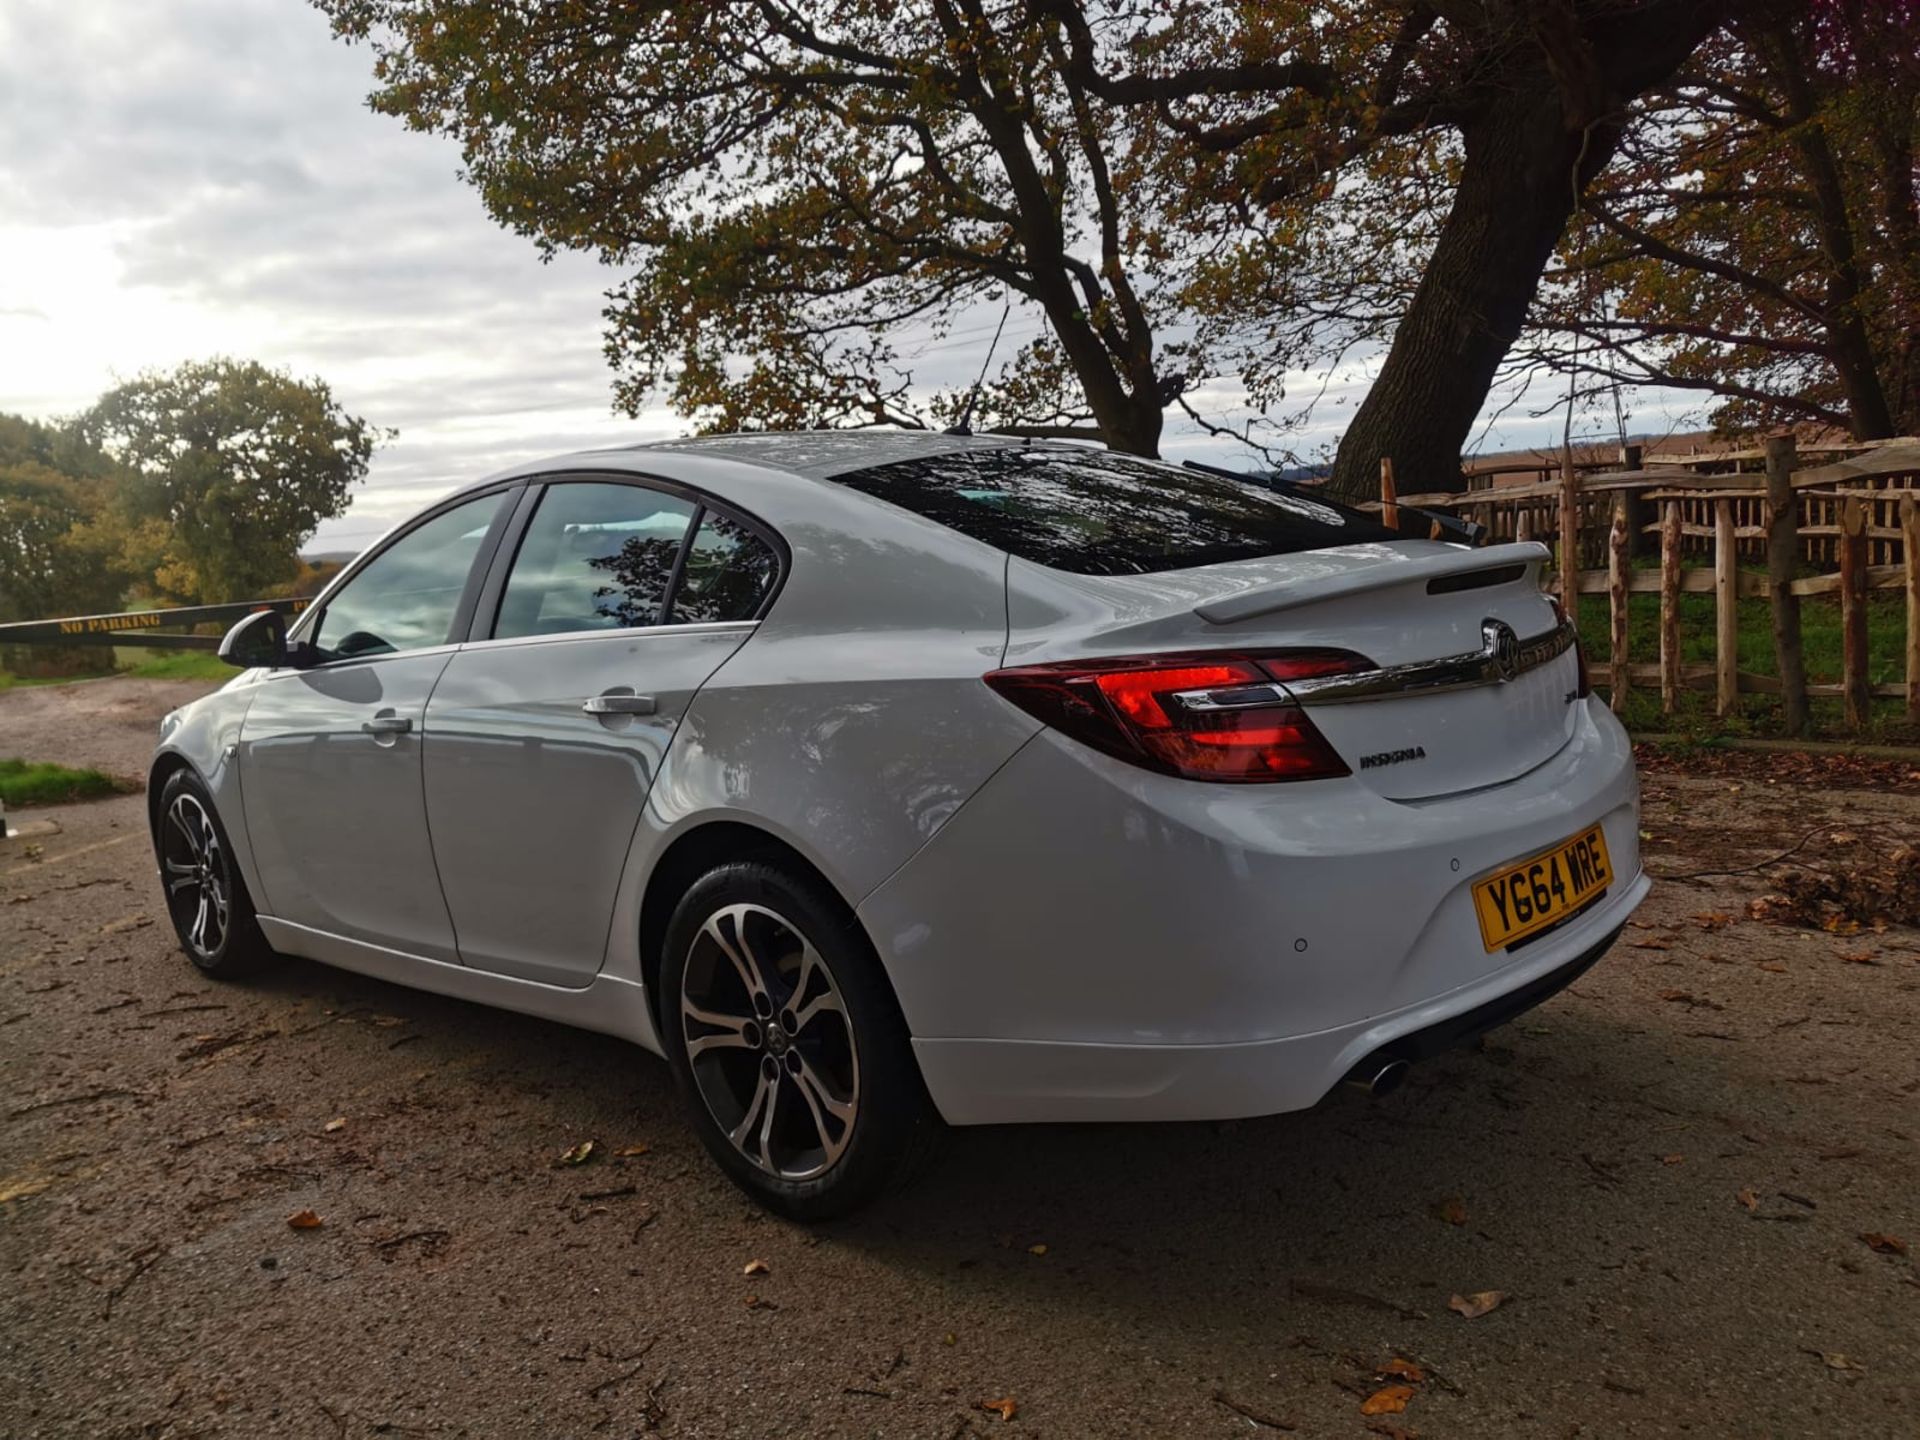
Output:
x=1379 y=1077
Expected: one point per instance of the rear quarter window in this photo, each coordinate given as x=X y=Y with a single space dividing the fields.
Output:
x=1096 y=513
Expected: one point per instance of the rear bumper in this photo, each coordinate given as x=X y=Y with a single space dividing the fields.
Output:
x=1089 y=941
x=994 y=1082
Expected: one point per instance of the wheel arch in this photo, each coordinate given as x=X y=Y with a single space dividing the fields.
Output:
x=692 y=854
x=165 y=765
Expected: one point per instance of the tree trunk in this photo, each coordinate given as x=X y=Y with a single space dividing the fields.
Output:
x=1551 y=124
x=1868 y=415
x=1516 y=192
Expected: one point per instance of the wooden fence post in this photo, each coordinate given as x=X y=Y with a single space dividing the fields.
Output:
x=1670 y=606
x=1853 y=611
x=1389 y=512
x=1783 y=555
x=1726 y=609
x=1910 y=548
x=1569 y=537
x=1637 y=508
x=1619 y=567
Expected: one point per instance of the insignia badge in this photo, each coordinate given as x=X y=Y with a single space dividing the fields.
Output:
x=1502 y=647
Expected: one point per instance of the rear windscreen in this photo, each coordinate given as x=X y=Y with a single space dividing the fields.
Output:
x=1097 y=513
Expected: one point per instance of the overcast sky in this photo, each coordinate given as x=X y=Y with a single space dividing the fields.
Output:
x=203 y=177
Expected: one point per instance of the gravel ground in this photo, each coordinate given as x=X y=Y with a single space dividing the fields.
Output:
x=1667 y=1170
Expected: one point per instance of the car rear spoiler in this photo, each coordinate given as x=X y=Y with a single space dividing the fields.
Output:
x=1449 y=570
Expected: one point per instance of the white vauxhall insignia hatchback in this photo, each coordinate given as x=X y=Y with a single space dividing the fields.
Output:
x=874 y=778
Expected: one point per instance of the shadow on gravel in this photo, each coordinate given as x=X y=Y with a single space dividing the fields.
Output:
x=1534 y=1133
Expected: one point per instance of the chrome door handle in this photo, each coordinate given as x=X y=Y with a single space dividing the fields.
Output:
x=386 y=725
x=620 y=705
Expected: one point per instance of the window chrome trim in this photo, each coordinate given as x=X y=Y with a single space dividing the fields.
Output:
x=320 y=667
x=1500 y=658
x=627 y=632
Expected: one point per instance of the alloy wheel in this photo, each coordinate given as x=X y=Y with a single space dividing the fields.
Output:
x=769 y=1043
x=199 y=890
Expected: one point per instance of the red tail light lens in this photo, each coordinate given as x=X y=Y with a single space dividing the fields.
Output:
x=1207 y=717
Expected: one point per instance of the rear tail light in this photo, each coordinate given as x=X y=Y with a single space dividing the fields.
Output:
x=1207 y=717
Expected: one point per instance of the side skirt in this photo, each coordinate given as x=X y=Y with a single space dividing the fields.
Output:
x=608 y=1004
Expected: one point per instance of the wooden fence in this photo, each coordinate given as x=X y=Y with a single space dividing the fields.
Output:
x=1854 y=523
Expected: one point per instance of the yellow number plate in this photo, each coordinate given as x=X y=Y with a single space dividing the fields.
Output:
x=1529 y=895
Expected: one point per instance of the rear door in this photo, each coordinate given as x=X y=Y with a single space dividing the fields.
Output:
x=547 y=730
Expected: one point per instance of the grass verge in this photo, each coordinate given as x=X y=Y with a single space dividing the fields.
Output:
x=1755 y=715
x=139 y=664
x=36 y=782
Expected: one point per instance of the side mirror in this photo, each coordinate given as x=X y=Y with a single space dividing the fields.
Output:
x=258 y=640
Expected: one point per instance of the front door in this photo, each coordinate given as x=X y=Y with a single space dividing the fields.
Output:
x=543 y=739
x=330 y=771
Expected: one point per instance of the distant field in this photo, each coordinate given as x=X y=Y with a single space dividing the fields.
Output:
x=139 y=665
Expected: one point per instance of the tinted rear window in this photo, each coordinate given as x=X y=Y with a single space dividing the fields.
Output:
x=1097 y=513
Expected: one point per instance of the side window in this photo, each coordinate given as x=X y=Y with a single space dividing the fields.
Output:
x=405 y=597
x=595 y=557
x=729 y=571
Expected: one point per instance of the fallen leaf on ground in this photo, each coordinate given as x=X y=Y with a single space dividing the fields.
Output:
x=755 y=1267
x=1773 y=967
x=1860 y=957
x=1454 y=1211
x=630 y=1151
x=338 y=1123
x=1652 y=942
x=304 y=1220
x=1404 y=1369
x=1005 y=1409
x=1389 y=1400
x=1036 y=1249
x=1673 y=1159
x=1477 y=1304
x=576 y=1154
x=754 y=1302
x=1749 y=1199
x=1713 y=920
x=1884 y=1244
x=387 y=1022
x=1836 y=1361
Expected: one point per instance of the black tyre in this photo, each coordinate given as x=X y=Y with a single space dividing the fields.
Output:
x=206 y=898
x=787 y=1042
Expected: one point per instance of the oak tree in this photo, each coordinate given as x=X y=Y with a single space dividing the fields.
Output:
x=228 y=468
x=801 y=194
x=1758 y=239
x=1418 y=209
